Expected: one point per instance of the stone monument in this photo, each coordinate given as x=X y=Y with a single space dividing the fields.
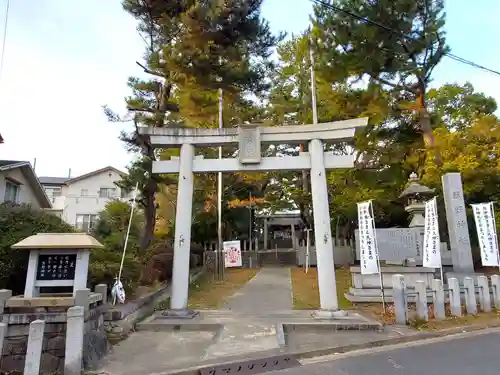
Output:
x=57 y=326
x=57 y=261
x=400 y=249
x=458 y=229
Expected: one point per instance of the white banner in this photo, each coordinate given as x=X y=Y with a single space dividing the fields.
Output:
x=432 y=240
x=487 y=233
x=367 y=241
x=232 y=253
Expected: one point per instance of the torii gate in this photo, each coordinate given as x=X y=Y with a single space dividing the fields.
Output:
x=250 y=138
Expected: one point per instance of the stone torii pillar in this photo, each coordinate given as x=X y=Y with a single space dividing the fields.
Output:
x=182 y=239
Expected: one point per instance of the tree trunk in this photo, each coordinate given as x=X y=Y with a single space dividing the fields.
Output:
x=150 y=215
x=426 y=127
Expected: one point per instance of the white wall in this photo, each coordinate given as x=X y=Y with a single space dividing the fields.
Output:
x=26 y=194
x=73 y=203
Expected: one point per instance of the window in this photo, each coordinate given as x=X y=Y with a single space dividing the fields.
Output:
x=106 y=192
x=53 y=191
x=56 y=192
x=11 y=192
x=86 y=222
x=84 y=192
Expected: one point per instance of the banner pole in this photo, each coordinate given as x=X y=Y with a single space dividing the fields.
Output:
x=377 y=255
x=492 y=207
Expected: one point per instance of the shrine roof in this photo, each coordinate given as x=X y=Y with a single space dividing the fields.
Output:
x=59 y=241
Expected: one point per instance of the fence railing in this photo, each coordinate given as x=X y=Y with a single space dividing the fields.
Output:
x=485 y=292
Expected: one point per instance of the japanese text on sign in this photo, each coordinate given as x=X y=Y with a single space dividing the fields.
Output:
x=368 y=245
x=56 y=267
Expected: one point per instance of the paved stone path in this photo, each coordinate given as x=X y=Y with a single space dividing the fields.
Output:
x=269 y=291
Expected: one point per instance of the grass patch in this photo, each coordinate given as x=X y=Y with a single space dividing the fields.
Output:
x=305 y=288
x=485 y=319
x=208 y=293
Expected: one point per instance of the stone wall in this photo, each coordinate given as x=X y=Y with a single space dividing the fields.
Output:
x=120 y=320
x=54 y=339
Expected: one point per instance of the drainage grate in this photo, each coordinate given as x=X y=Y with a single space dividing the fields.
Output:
x=257 y=366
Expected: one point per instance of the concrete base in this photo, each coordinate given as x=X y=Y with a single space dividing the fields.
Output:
x=329 y=314
x=178 y=314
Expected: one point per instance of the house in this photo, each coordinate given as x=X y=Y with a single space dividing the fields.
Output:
x=81 y=199
x=19 y=184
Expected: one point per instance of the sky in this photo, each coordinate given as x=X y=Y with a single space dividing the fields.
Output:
x=65 y=59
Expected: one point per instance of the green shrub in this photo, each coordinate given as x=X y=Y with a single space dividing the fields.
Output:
x=16 y=223
x=105 y=265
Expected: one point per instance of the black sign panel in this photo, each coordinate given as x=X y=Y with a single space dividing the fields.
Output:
x=56 y=267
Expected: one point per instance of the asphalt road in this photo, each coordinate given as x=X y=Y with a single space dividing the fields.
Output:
x=473 y=355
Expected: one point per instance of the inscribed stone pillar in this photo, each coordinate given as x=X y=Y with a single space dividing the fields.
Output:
x=182 y=244
x=461 y=253
x=293 y=236
x=322 y=229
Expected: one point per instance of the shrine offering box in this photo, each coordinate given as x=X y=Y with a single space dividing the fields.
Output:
x=57 y=262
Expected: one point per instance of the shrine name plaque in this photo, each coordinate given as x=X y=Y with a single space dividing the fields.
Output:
x=56 y=267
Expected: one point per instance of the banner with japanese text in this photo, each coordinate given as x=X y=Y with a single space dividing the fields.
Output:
x=432 y=240
x=367 y=240
x=484 y=216
x=232 y=253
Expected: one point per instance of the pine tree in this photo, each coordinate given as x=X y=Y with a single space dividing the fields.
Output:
x=193 y=48
x=398 y=47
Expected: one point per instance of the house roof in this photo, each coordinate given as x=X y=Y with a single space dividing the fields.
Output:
x=32 y=178
x=67 y=180
x=53 y=180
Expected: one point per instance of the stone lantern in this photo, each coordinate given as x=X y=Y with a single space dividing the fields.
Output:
x=416 y=195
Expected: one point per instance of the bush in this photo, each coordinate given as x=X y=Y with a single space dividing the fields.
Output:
x=16 y=223
x=105 y=265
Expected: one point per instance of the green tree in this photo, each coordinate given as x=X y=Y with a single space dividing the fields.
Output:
x=193 y=49
x=18 y=222
x=111 y=229
x=400 y=55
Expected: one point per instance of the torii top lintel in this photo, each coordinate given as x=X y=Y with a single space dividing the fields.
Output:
x=328 y=131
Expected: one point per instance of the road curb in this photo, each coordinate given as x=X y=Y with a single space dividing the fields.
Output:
x=420 y=336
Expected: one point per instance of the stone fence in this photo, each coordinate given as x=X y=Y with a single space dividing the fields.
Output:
x=120 y=320
x=484 y=290
x=52 y=335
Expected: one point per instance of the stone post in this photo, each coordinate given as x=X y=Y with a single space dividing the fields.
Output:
x=294 y=246
x=495 y=284
x=421 y=290
x=182 y=242
x=322 y=231
x=455 y=299
x=484 y=293
x=103 y=290
x=35 y=346
x=438 y=299
x=3 y=333
x=398 y=295
x=470 y=296
x=456 y=218
x=82 y=298
x=74 y=341
x=5 y=294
